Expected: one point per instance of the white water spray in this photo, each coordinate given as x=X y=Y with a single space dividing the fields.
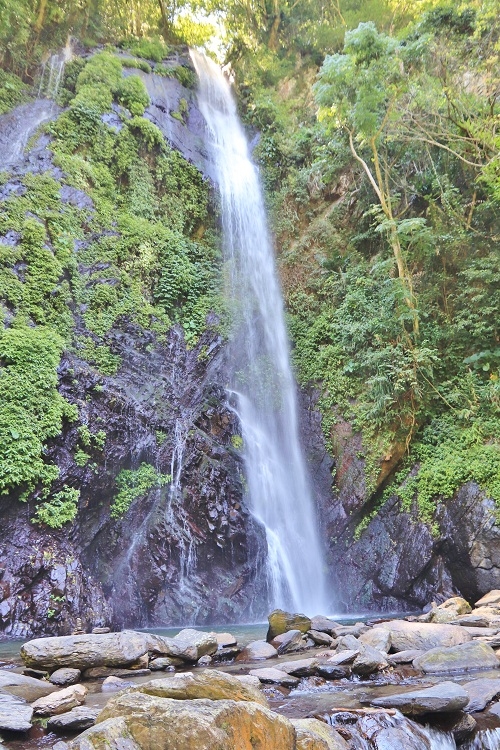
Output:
x=261 y=377
x=52 y=72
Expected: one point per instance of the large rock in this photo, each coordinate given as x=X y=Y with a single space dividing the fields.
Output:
x=65 y=676
x=300 y=667
x=24 y=687
x=404 y=657
x=406 y=636
x=15 y=714
x=492 y=598
x=60 y=701
x=85 y=651
x=442 y=698
x=323 y=624
x=207 y=684
x=153 y=722
x=272 y=676
x=100 y=673
x=77 y=720
x=193 y=644
x=313 y=734
x=257 y=650
x=450 y=610
x=466 y=656
x=321 y=639
x=481 y=692
x=288 y=642
x=280 y=622
x=377 y=638
x=369 y=660
x=343 y=657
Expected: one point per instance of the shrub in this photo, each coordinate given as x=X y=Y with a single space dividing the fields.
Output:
x=60 y=509
x=133 y=484
x=132 y=93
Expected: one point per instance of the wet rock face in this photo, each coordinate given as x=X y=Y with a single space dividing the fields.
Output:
x=397 y=564
x=188 y=551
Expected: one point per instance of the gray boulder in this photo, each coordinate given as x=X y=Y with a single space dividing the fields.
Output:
x=65 y=676
x=85 y=651
x=288 y=642
x=193 y=644
x=321 y=639
x=60 y=701
x=442 y=698
x=492 y=598
x=466 y=656
x=211 y=683
x=369 y=660
x=324 y=624
x=377 y=638
x=76 y=720
x=113 y=684
x=481 y=692
x=423 y=636
x=404 y=657
x=257 y=650
x=343 y=657
x=15 y=714
x=299 y=668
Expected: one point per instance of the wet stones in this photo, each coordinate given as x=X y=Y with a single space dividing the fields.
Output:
x=15 y=713
x=464 y=657
x=445 y=697
x=281 y=622
x=257 y=650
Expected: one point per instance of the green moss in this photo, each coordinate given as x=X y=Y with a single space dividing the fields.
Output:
x=149 y=49
x=31 y=409
x=133 y=484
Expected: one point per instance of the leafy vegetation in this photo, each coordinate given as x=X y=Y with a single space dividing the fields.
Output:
x=133 y=484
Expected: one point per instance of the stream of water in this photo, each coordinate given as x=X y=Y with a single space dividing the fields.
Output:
x=261 y=381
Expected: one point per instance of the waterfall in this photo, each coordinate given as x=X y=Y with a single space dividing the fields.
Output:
x=261 y=380
x=52 y=72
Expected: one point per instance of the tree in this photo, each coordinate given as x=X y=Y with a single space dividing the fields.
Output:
x=359 y=92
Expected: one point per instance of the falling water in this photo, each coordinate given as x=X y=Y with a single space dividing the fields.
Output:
x=261 y=381
x=52 y=72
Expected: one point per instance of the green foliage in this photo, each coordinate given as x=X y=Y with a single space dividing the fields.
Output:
x=184 y=75
x=149 y=49
x=31 y=410
x=134 y=484
x=131 y=92
x=134 y=62
x=12 y=91
x=60 y=509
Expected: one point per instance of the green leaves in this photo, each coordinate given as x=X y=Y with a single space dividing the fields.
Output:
x=134 y=484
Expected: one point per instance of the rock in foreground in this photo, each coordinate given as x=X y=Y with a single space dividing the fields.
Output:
x=442 y=698
x=406 y=636
x=15 y=714
x=207 y=684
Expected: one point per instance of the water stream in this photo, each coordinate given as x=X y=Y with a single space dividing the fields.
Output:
x=261 y=381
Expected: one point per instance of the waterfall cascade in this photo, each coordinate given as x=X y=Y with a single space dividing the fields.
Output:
x=261 y=380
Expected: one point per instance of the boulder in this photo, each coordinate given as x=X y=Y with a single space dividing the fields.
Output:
x=60 y=701
x=495 y=709
x=473 y=620
x=207 y=684
x=461 y=725
x=320 y=638
x=112 y=734
x=224 y=640
x=480 y=693
x=15 y=714
x=450 y=610
x=442 y=698
x=112 y=684
x=257 y=650
x=272 y=676
x=65 y=676
x=24 y=687
x=323 y=624
x=377 y=638
x=281 y=622
x=492 y=598
x=76 y=720
x=85 y=651
x=169 y=724
x=299 y=668
x=490 y=612
x=348 y=643
x=466 y=656
x=204 y=661
x=424 y=636
x=332 y=672
x=288 y=642
x=369 y=660
x=356 y=630
x=313 y=734
x=343 y=657
x=404 y=657
x=193 y=644
x=226 y=654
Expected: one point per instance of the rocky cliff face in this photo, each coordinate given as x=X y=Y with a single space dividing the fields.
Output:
x=188 y=551
x=398 y=563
